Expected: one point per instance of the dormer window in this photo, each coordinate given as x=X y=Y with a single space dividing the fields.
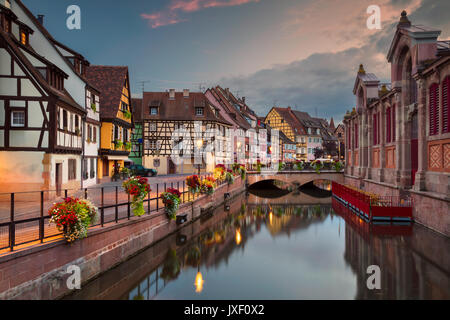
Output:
x=199 y=111
x=153 y=111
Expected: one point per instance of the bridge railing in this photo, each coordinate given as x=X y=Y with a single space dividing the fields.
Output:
x=373 y=206
x=24 y=218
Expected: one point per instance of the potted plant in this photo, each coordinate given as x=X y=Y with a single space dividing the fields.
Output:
x=171 y=199
x=94 y=107
x=138 y=188
x=193 y=183
x=281 y=166
x=128 y=146
x=73 y=217
x=239 y=169
x=125 y=173
x=77 y=131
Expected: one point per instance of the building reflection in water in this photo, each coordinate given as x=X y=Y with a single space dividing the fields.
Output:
x=414 y=261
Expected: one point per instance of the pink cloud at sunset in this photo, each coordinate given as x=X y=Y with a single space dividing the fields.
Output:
x=171 y=15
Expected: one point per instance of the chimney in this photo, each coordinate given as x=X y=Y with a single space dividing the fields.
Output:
x=186 y=93
x=40 y=18
x=172 y=94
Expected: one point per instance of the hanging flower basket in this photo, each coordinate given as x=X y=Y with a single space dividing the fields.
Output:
x=220 y=172
x=138 y=188
x=229 y=177
x=317 y=165
x=239 y=169
x=337 y=165
x=193 y=183
x=171 y=199
x=127 y=114
x=73 y=217
x=300 y=165
x=208 y=185
x=281 y=166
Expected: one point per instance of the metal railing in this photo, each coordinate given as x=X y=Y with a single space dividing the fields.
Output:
x=24 y=217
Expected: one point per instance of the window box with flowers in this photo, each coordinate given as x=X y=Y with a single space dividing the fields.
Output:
x=127 y=114
x=138 y=188
x=300 y=165
x=219 y=172
x=73 y=217
x=171 y=199
x=128 y=146
x=193 y=183
x=118 y=144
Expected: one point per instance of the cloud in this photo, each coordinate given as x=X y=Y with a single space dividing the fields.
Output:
x=177 y=8
x=324 y=81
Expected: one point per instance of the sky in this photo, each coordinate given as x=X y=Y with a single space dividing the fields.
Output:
x=299 y=53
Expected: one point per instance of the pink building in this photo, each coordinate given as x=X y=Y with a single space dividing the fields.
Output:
x=398 y=136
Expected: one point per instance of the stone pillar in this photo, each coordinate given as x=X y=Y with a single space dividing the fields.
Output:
x=382 y=142
x=363 y=143
x=422 y=136
x=369 y=146
x=398 y=145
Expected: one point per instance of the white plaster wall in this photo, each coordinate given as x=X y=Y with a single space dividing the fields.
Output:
x=28 y=89
x=35 y=117
x=2 y=140
x=74 y=85
x=5 y=63
x=64 y=159
x=24 y=139
x=8 y=87
x=2 y=112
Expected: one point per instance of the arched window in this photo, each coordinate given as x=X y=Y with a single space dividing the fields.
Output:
x=446 y=105
x=434 y=109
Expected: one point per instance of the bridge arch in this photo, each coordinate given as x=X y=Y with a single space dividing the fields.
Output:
x=295 y=177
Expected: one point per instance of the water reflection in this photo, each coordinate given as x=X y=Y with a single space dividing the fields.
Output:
x=278 y=250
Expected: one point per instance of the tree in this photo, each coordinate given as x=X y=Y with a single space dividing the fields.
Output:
x=330 y=148
x=318 y=153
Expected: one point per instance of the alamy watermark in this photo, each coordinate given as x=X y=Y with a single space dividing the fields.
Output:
x=374 y=280
x=73 y=22
x=374 y=20
x=74 y=280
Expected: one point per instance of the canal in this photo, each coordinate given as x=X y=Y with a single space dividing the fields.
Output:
x=296 y=246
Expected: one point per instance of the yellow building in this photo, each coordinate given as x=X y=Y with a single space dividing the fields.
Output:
x=285 y=121
x=116 y=117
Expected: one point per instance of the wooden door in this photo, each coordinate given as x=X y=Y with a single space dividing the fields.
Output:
x=172 y=167
x=105 y=168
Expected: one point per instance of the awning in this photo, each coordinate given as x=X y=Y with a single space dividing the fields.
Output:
x=117 y=158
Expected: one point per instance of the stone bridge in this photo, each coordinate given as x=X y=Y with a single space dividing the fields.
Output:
x=295 y=177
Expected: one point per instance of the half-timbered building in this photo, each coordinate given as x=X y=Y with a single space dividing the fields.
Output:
x=180 y=126
x=137 y=136
x=116 y=116
x=42 y=106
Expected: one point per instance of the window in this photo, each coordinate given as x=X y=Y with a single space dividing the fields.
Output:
x=388 y=125
x=152 y=127
x=199 y=111
x=95 y=134
x=65 y=120
x=446 y=106
x=356 y=136
x=152 y=145
x=72 y=169
x=125 y=135
x=93 y=169
x=18 y=119
x=85 y=170
x=7 y=24
x=434 y=109
x=24 y=37
x=153 y=111
x=124 y=106
x=393 y=124
x=375 y=129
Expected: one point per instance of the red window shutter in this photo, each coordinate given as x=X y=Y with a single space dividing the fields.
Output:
x=445 y=106
x=388 y=125
x=393 y=124
x=434 y=109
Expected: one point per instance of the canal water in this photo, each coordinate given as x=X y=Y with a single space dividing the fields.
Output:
x=293 y=247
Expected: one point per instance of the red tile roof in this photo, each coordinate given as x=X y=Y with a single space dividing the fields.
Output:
x=110 y=80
